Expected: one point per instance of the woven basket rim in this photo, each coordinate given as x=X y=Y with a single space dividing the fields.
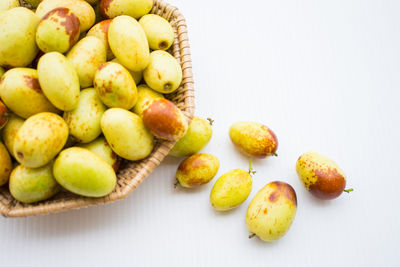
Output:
x=135 y=172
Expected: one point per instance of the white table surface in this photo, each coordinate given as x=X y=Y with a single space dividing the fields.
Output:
x=324 y=75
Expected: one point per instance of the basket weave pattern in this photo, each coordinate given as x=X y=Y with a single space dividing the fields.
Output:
x=131 y=174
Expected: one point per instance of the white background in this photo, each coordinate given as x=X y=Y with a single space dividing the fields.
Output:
x=324 y=75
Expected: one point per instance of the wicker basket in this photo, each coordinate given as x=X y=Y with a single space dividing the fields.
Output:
x=131 y=174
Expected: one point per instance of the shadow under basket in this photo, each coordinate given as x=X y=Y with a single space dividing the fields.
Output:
x=131 y=174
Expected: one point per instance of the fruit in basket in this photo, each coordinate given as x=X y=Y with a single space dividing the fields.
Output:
x=58 y=31
x=84 y=120
x=272 y=210
x=128 y=42
x=30 y=185
x=163 y=74
x=320 y=175
x=21 y=92
x=134 y=8
x=197 y=136
x=17 y=37
x=4 y=115
x=102 y=149
x=59 y=81
x=145 y=97
x=10 y=131
x=254 y=139
x=8 y=4
x=81 y=9
x=159 y=32
x=165 y=120
x=86 y=56
x=231 y=190
x=5 y=165
x=197 y=170
x=115 y=86
x=126 y=134
x=136 y=75
x=84 y=173
x=100 y=30
x=39 y=139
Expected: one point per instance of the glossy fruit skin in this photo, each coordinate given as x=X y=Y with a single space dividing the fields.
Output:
x=272 y=210
x=134 y=8
x=253 y=139
x=197 y=170
x=40 y=139
x=159 y=32
x=81 y=9
x=84 y=120
x=100 y=30
x=115 y=86
x=29 y=185
x=145 y=97
x=164 y=73
x=320 y=175
x=102 y=149
x=8 y=4
x=86 y=56
x=59 y=80
x=4 y=115
x=231 y=190
x=165 y=120
x=128 y=43
x=58 y=31
x=197 y=136
x=120 y=127
x=84 y=173
x=10 y=131
x=5 y=165
x=136 y=75
x=17 y=37
x=21 y=92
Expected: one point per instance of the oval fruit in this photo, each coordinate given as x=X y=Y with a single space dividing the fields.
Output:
x=84 y=173
x=272 y=210
x=100 y=30
x=115 y=86
x=102 y=149
x=231 y=190
x=86 y=56
x=22 y=94
x=40 y=139
x=81 y=9
x=136 y=75
x=197 y=136
x=58 y=31
x=3 y=114
x=163 y=74
x=8 y=4
x=159 y=32
x=165 y=120
x=254 y=139
x=10 y=131
x=126 y=134
x=197 y=170
x=84 y=120
x=128 y=42
x=145 y=97
x=17 y=37
x=30 y=185
x=320 y=175
x=5 y=165
x=134 y=8
x=59 y=81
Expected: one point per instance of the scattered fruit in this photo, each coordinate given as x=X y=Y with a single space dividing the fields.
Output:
x=197 y=136
x=320 y=175
x=159 y=32
x=197 y=170
x=5 y=165
x=145 y=97
x=272 y=210
x=102 y=149
x=254 y=139
x=134 y=8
